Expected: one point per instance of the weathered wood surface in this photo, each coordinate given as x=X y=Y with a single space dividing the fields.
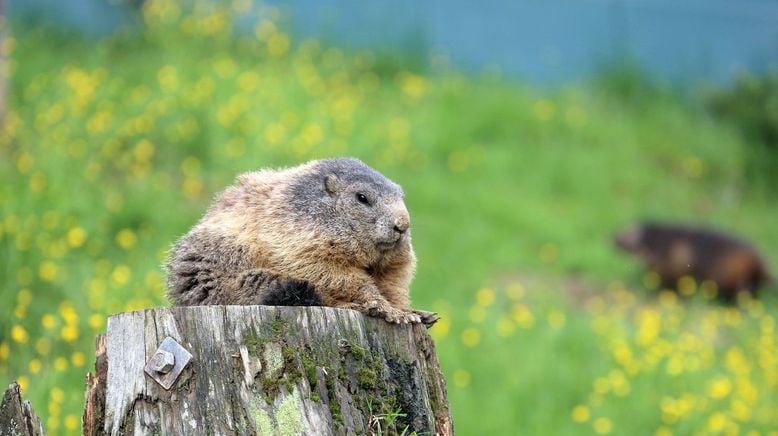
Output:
x=270 y=370
x=16 y=415
x=94 y=409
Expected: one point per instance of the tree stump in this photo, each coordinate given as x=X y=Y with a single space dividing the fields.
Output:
x=265 y=370
x=16 y=415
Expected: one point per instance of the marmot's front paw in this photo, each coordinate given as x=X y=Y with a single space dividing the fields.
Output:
x=396 y=316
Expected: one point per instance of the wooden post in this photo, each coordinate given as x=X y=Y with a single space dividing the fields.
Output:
x=16 y=415
x=265 y=370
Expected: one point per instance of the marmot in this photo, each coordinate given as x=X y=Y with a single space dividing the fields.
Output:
x=674 y=251
x=331 y=232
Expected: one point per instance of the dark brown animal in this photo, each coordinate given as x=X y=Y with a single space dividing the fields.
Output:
x=674 y=251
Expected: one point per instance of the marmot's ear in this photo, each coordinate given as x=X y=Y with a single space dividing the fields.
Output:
x=332 y=183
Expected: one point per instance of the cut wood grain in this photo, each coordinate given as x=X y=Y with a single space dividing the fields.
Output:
x=268 y=370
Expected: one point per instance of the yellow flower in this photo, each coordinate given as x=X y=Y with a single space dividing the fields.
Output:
x=668 y=298
x=43 y=346
x=121 y=275
x=5 y=350
x=484 y=297
x=686 y=285
x=733 y=317
x=312 y=134
x=264 y=29
x=72 y=422
x=24 y=297
x=544 y=109
x=477 y=314
x=126 y=239
x=461 y=378
x=548 y=252
x=522 y=315
x=471 y=337
x=556 y=319
x=719 y=388
x=601 y=385
x=24 y=162
x=709 y=289
x=76 y=237
x=69 y=333
x=48 y=271
x=515 y=291
x=602 y=425
x=19 y=334
x=619 y=383
x=693 y=167
x=143 y=150
x=57 y=395
x=78 y=359
x=68 y=313
x=674 y=365
x=458 y=161
x=439 y=333
x=168 y=78
x=60 y=364
x=580 y=413
x=648 y=331
x=35 y=366
x=248 y=81
x=398 y=129
x=278 y=44
x=575 y=116
x=97 y=320
x=411 y=84
x=23 y=381
x=717 y=422
x=48 y=321
x=740 y=410
x=275 y=133
x=505 y=327
x=192 y=187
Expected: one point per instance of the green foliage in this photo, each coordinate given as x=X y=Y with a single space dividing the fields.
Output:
x=751 y=106
x=386 y=423
x=111 y=150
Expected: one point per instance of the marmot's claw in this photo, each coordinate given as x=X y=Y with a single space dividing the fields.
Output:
x=427 y=318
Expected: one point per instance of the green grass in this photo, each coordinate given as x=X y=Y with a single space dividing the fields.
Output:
x=113 y=149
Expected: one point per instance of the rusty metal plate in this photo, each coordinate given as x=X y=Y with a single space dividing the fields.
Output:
x=158 y=367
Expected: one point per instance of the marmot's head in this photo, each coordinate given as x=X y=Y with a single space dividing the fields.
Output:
x=353 y=204
x=632 y=239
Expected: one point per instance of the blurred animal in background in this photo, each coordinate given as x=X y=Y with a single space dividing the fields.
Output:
x=675 y=251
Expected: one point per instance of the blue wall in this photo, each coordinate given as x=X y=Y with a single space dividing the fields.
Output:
x=546 y=42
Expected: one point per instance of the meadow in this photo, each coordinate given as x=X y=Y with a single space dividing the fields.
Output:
x=112 y=149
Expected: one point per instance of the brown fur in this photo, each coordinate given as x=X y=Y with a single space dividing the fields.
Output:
x=675 y=251
x=300 y=236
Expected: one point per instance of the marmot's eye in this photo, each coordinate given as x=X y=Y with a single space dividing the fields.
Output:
x=362 y=198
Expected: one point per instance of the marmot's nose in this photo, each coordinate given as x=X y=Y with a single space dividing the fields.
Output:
x=401 y=224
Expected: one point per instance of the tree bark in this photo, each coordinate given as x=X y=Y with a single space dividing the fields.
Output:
x=267 y=370
x=16 y=415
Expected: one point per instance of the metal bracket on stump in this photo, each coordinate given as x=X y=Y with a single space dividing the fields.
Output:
x=168 y=362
